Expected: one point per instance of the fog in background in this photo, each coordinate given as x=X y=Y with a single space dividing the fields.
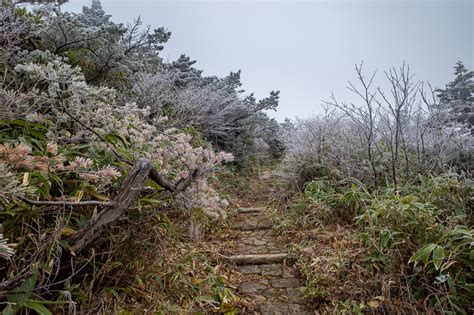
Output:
x=308 y=49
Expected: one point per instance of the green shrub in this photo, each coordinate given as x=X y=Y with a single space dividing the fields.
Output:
x=445 y=270
x=424 y=228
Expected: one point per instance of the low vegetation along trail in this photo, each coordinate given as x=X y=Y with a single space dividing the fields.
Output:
x=263 y=277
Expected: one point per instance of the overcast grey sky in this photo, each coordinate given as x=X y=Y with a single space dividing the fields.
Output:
x=308 y=49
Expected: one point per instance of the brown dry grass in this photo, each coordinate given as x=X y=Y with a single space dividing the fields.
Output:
x=340 y=275
x=153 y=265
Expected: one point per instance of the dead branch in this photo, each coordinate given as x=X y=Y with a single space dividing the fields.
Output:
x=131 y=188
x=129 y=191
x=257 y=259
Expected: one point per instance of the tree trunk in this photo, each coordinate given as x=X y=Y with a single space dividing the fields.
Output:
x=257 y=259
x=129 y=191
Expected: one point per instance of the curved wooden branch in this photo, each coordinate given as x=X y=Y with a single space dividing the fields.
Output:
x=129 y=191
x=131 y=188
x=179 y=186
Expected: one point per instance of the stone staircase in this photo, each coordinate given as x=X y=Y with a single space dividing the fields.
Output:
x=267 y=279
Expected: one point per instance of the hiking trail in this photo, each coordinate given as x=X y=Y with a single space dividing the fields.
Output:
x=264 y=278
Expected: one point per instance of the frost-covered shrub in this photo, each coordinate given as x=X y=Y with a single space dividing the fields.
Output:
x=65 y=140
x=379 y=140
x=10 y=186
x=215 y=106
x=14 y=32
x=84 y=103
x=91 y=114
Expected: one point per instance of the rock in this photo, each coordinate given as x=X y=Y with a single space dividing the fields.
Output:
x=286 y=283
x=270 y=308
x=251 y=287
x=294 y=294
x=259 y=298
x=263 y=281
x=272 y=270
x=271 y=293
x=249 y=269
x=273 y=309
x=270 y=285
x=259 y=242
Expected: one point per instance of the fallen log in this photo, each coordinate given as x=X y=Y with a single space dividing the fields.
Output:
x=129 y=191
x=251 y=210
x=256 y=259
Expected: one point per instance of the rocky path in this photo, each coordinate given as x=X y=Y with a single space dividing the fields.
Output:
x=265 y=279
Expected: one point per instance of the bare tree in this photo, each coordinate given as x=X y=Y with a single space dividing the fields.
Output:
x=365 y=116
x=392 y=135
x=397 y=109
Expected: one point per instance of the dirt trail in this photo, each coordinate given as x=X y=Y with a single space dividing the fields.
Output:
x=263 y=278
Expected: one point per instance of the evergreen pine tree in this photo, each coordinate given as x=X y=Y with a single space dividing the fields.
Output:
x=458 y=97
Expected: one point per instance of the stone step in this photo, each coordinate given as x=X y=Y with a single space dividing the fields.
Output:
x=251 y=210
x=275 y=270
x=277 y=289
x=271 y=308
x=253 y=227
x=257 y=259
